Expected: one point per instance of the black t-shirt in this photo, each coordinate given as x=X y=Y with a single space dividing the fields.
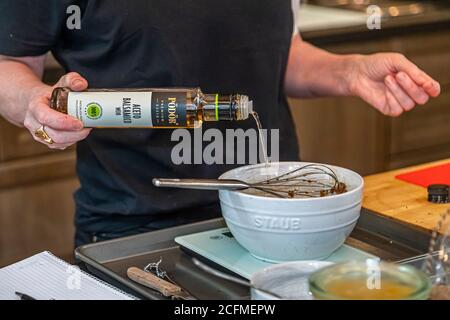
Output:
x=231 y=46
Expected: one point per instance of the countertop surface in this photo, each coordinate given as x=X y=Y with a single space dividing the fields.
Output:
x=402 y=201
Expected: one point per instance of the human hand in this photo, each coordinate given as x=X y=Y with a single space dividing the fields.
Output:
x=390 y=82
x=63 y=129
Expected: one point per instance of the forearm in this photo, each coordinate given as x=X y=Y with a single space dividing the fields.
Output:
x=312 y=72
x=19 y=81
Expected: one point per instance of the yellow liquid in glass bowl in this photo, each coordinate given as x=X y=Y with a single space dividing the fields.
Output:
x=369 y=280
x=358 y=289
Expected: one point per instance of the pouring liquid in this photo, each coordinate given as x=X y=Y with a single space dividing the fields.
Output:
x=262 y=141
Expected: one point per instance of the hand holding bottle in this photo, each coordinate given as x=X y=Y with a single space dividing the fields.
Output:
x=61 y=130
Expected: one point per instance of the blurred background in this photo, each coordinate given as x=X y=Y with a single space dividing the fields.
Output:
x=36 y=184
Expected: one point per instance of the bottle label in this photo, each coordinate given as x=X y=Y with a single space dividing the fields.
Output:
x=128 y=108
x=169 y=109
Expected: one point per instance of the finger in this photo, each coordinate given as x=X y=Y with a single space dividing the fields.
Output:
x=401 y=63
x=32 y=125
x=74 y=81
x=414 y=91
x=67 y=137
x=54 y=119
x=394 y=108
x=431 y=86
x=402 y=98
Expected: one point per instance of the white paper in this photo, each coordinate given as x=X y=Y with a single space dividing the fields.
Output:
x=45 y=277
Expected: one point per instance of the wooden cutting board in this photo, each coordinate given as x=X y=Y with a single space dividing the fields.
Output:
x=402 y=201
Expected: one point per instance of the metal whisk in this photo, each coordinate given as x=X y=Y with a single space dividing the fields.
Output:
x=311 y=180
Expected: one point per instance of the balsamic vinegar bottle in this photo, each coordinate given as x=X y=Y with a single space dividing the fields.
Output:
x=149 y=108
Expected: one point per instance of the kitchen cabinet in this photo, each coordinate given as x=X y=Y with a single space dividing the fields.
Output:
x=36 y=186
x=37 y=217
x=348 y=132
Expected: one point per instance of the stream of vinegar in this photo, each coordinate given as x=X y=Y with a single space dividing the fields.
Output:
x=262 y=141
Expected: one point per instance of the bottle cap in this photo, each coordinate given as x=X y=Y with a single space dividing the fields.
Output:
x=438 y=193
x=244 y=107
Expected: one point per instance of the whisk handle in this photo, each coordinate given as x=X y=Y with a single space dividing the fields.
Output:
x=200 y=184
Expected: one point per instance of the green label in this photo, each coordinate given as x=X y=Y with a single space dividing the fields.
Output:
x=93 y=110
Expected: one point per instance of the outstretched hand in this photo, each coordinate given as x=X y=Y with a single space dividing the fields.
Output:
x=390 y=83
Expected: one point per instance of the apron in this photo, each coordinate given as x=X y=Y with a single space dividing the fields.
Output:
x=232 y=46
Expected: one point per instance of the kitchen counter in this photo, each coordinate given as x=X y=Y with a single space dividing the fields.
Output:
x=110 y=260
x=395 y=224
x=402 y=201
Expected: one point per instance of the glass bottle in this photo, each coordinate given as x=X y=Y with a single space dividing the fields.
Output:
x=150 y=107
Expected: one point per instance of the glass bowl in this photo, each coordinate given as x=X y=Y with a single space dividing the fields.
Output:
x=369 y=280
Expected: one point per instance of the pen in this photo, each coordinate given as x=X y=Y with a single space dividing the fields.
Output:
x=24 y=296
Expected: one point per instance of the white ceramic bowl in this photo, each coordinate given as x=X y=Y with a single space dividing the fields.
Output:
x=276 y=230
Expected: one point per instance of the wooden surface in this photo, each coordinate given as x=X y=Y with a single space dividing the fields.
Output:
x=402 y=201
x=35 y=218
x=37 y=169
x=36 y=187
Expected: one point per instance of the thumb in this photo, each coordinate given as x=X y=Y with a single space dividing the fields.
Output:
x=73 y=81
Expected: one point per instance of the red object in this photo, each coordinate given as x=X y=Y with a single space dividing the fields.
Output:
x=424 y=177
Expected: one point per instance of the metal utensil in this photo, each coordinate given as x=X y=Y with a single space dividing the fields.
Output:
x=210 y=184
x=311 y=180
x=201 y=184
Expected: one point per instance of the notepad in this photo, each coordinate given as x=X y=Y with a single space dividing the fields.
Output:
x=46 y=277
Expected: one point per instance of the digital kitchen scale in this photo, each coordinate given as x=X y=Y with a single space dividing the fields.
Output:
x=220 y=247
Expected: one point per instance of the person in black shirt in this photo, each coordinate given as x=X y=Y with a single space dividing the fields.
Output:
x=221 y=46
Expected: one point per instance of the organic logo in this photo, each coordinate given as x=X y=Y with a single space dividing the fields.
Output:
x=93 y=110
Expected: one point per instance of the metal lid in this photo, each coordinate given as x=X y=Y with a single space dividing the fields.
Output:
x=438 y=193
